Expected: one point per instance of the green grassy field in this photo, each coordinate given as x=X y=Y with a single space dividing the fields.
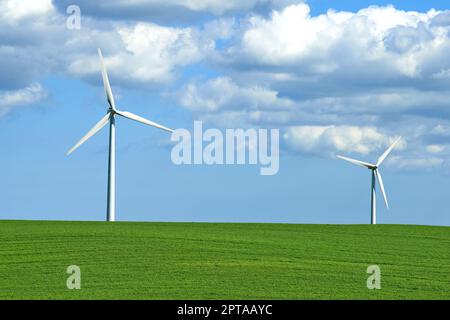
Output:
x=222 y=261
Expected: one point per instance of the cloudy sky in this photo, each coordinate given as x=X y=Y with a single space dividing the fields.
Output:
x=342 y=77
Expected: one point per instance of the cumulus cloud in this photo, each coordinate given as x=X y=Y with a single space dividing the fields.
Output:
x=13 y=11
x=355 y=79
x=399 y=41
x=16 y=98
x=337 y=53
x=36 y=42
x=223 y=93
x=146 y=54
x=335 y=82
x=332 y=139
x=24 y=34
x=387 y=103
x=163 y=47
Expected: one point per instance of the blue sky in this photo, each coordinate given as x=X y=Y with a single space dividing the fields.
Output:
x=346 y=81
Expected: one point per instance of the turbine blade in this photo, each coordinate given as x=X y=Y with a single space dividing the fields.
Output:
x=380 y=181
x=357 y=162
x=388 y=150
x=137 y=118
x=91 y=132
x=106 y=85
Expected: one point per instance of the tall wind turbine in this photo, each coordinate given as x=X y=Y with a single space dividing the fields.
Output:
x=110 y=117
x=375 y=173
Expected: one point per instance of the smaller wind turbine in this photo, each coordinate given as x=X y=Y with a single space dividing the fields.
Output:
x=375 y=173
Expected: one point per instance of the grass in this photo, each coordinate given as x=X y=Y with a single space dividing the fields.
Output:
x=222 y=261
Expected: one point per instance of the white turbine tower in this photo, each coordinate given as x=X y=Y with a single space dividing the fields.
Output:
x=375 y=173
x=110 y=117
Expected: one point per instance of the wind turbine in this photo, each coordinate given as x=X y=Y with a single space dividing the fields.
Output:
x=375 y=173
x=110 y=117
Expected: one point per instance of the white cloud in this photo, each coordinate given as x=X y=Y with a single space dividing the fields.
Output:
x=288 y=35
x=29 y=95
x=222 y=93
x=331 y=139
x=399 y=42
x=12 y=11
x=145 y=53
x=384 y=102
x=157 y=50
x=354 y=80
x=36 y=41
x=337 y=82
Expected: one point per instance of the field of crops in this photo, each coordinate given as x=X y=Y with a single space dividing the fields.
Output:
x=222 y=261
